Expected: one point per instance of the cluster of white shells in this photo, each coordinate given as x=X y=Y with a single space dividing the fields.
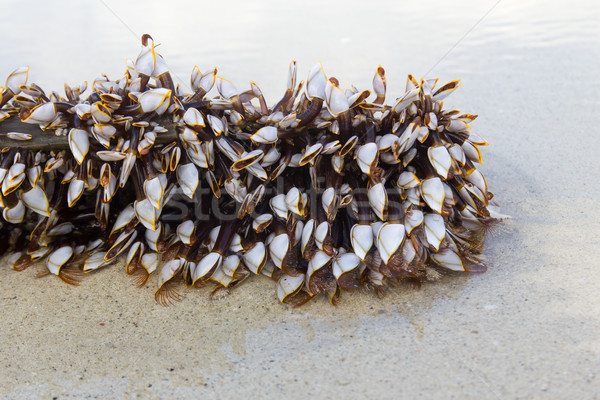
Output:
x=327 y=190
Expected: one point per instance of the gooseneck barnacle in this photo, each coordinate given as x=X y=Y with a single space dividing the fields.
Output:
x=323 y=192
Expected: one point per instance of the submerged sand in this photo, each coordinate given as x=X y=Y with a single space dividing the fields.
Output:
x=528 y=328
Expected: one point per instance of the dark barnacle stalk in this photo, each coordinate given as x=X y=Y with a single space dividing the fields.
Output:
x=324 y=192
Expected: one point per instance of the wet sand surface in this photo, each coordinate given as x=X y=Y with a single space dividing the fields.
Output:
x=528 y=328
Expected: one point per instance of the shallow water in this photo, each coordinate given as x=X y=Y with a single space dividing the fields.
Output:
x=528 y=328
x=77 y=41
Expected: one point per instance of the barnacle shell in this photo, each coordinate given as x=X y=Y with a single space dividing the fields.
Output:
x=323 y=191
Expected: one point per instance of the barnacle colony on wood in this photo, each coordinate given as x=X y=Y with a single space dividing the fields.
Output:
x=323 y=192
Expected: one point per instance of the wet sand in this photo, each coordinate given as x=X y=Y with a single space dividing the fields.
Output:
x=528 y=328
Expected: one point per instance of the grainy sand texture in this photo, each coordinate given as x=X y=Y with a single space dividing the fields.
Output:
x=528 y=328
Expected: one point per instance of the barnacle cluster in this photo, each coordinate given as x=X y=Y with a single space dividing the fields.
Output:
x=325 y=191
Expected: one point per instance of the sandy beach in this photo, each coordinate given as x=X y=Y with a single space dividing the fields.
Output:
x=527 y=328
